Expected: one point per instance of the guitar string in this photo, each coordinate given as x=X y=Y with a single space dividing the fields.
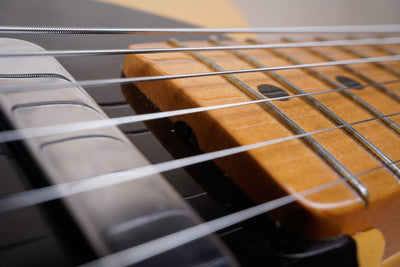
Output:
x=116 y=81
x=163 y=244
x=102 y=52
x=385 y=28
x=40 y=195
x=28 y=133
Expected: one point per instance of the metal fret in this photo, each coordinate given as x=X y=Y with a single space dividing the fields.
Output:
x=361 y=55
x=382 y=88
x=392 y=125
x=390 y=52
x=385 y=67
x=339 y=168
x=360 y=138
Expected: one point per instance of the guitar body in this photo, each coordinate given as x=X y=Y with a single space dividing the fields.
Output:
x=35 y=231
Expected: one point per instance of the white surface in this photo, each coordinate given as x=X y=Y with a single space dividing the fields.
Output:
x=319 y=12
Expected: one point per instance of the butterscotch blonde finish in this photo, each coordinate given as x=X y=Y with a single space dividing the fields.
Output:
x=288 y=167
x=197 y=13
x=370 y=247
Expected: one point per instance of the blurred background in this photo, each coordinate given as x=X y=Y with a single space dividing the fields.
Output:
x=317 y=12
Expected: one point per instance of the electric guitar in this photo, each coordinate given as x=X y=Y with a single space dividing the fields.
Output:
x=102 y=219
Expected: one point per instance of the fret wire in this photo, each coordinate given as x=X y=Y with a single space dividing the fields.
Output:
x=382 y=88
x=21 y=134
x=391 y=70
x=334 y=163
x=163 y=244
x=392 y=125
x=388 y=28
x=116 y=81
x=362 y=140
x=353 y=132
x=44 y=194
x=386 y=50
x=101 y=52
x=361 y=55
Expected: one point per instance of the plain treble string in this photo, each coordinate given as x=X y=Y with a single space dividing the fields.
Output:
x=28 y=133
x=117 y=81
x=102 y=52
